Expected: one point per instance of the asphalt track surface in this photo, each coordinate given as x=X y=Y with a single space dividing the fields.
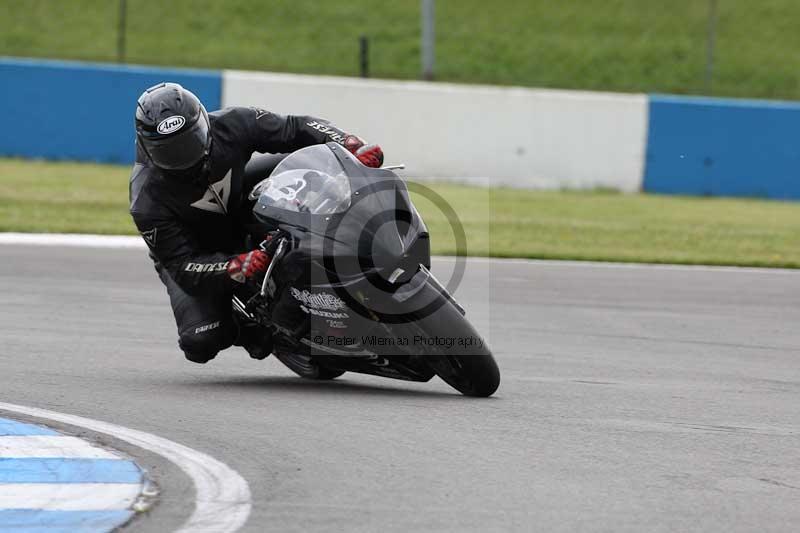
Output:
x=633 y=399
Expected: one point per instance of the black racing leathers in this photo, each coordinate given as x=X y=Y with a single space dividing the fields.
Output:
x=193 y=223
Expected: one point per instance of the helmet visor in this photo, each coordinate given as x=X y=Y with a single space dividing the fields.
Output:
x=182 y=150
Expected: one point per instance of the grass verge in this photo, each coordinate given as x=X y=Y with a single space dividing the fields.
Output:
x=596 y=225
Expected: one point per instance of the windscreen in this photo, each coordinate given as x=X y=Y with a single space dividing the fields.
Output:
x=310 y=181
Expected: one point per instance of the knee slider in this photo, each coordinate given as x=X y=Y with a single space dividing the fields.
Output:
x=201 y=345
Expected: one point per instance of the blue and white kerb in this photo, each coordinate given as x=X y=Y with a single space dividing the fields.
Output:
x=51 y=482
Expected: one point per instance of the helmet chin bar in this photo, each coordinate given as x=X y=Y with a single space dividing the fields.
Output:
x=144 y=148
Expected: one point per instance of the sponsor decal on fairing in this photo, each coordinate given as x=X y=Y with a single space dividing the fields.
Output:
x=323 y=314
x=320 y=304
x=318 y=300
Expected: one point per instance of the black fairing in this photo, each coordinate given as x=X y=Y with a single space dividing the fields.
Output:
x=353 y=293
x=378 y=234
x=350 y=273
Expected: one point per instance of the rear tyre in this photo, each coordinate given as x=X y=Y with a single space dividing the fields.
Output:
x=305 y=367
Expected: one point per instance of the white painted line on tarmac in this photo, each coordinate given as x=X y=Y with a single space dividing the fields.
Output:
x=223 y=500
x=130 y=241
x=65 y=497
x=73 y=239
x=631 y=266
x=44 y=447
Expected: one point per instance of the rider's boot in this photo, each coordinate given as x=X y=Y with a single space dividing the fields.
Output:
x=254 y=338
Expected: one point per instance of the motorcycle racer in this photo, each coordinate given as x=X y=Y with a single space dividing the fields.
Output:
x=188 y=199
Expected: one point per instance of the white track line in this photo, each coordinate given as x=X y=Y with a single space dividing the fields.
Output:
x=632 y=266
x=69 y=497
x=73 y=239
x=45 y=447
x=223 y=497
x=128 y=241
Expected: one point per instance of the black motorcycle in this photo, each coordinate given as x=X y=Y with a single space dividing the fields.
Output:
x=349 y=288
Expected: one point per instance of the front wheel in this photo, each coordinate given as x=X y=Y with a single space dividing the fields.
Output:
x=457 y=353
x=472 y=375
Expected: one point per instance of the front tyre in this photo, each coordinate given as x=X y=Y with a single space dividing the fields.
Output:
x=471 y=375
x=467 y=364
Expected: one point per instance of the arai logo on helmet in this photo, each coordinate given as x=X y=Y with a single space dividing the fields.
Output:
x=168 y=125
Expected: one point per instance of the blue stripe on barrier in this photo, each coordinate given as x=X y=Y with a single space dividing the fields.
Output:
x=707 y=146
x=12 y=427
x=82 y=111
x=36 y=521
x=68 y=471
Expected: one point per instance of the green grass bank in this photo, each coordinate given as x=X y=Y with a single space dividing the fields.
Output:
x=601 y=226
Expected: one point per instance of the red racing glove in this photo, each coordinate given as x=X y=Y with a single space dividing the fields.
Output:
x=245 y=266
x=370 y=155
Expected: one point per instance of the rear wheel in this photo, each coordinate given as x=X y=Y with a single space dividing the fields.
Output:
x=305 y=367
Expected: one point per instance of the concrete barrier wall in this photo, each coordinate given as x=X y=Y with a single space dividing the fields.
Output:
x=704 y=146
x=479 y=134
x=81 y=111
x=487 y=135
